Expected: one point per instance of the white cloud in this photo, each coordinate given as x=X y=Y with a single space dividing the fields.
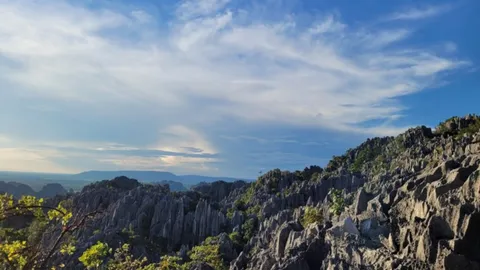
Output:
x=171 y=163
x=419 y=13
x=192 y=8
x=384 y=38
x=141 y=16
x=278 y=78
x=20 y=159
x=328 y=25
x=209 y=64
x=182 y=139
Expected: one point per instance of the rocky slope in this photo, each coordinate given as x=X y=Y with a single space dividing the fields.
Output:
x=405 y=202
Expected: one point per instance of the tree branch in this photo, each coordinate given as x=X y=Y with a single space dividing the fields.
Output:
x=65 y=230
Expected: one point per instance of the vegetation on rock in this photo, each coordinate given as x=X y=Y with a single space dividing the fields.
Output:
x=338 y=202
x=310 y=216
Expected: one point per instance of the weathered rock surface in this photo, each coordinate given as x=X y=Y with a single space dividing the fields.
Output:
x=414 y=205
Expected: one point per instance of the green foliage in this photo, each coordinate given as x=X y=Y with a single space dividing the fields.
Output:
x=286 y=192
x=338 y=202
x=60 y=214
x=254 y=210
x=379 y=164
x=14 y=253
x=171 y=263
x=273 y=181
x=236 y=238
x=335 y=163
x=248 y=195
x=230 y=212
x=315 y=177
x=123 y=260
x=129 y=233
x=249 y=228
x=311 y=215
x=364 y=155
x=95 y=255
x=442 y=126
x=210 y=240
x=312 y=173
x=68 y=248
x=20 y=245
x=208 y=253
x=471 y=129
x=399 y=144
x=240 y=204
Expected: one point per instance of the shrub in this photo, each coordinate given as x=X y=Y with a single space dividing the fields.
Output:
x=230 y=212
x=239 y=205
x=254 y=210
x=249 y=228
x=315 y=177
x=94 y=255
x=367 y=154
x=311 y=215
x=338 y=202
x=123 y=260
x=471 y=129
x=209 y=254
x=236 y=238
x=171 y=263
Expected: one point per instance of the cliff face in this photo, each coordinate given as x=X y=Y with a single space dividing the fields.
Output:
x=407 y=202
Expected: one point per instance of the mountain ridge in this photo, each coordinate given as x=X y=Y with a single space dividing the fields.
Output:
x=152 y=176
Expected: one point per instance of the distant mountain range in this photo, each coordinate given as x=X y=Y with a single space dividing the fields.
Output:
x=151 y=176
x=48 y=185
x=19 y=189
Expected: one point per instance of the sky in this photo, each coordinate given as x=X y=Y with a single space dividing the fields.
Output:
x=225 y=87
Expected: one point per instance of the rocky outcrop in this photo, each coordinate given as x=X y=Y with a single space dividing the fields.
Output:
x=154 y=220
x=406 y=202
x=219 y=190
x=413 y=203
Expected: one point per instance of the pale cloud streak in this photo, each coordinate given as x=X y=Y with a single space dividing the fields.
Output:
x=182 y=139
x=419 y=13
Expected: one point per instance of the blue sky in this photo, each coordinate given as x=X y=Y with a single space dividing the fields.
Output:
x=225 y=87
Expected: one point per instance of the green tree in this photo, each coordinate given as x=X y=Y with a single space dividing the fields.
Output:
x=20 y=245
x=208 y=253
x=94 y=256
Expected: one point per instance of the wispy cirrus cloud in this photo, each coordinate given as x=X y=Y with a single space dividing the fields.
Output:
x=212 y=64
x=418 y=13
